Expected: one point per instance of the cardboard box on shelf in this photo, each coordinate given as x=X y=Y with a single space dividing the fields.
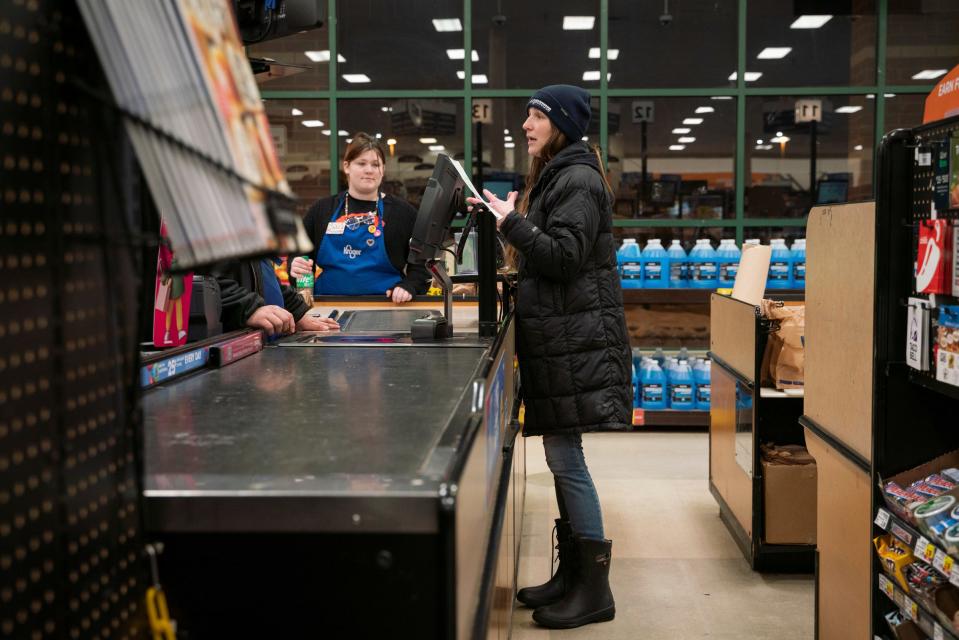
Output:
x=789 y=494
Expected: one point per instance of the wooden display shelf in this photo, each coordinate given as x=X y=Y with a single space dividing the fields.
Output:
x=684 y=296
x=676 y=418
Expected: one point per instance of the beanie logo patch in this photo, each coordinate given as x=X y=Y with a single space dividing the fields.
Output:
x=539 y=104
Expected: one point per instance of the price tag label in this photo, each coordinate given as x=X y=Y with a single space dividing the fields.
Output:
x=930 y=553
x=939 y=562
x=912 y=609
x=882 y=519
x=920 y=549
x=947 y=565
x=937 y=633
x=886 y=586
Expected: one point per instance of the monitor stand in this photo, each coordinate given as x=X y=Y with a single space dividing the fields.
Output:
x=433 y=328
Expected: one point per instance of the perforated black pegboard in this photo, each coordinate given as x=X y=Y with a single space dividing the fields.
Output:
x=70 y=548
x=923 y=173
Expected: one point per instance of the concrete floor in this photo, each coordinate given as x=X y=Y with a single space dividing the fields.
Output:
x=676 y=572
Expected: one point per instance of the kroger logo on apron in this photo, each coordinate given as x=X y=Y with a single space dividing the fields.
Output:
x=351 y=252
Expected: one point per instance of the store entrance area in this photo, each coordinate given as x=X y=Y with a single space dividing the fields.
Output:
x=676 y=574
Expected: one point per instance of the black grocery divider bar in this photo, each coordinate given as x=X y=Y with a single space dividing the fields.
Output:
x=835 y=443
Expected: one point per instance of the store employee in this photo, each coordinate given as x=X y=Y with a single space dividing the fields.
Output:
x=362 y=235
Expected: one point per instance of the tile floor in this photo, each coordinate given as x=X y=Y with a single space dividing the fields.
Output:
x=676 y=572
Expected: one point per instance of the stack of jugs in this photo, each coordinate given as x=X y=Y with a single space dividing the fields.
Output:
x=703 y=267
x=656 y=272
x=728 y=256
x=702 y=374
x=682 y=386
x=799 y=263
x=780 y=266
x=629 y=258
x=678 y=266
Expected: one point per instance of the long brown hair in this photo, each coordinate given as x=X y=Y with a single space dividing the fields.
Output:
x=537 y=164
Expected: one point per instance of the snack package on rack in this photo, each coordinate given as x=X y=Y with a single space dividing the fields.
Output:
x=894 y=557
x=947 y=352
x=903 y=628
x=924 y=582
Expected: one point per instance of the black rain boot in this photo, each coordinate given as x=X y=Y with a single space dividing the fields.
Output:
x=588 y=599
x=553 y=590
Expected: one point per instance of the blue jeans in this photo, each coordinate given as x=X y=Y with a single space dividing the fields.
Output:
x=575 y=493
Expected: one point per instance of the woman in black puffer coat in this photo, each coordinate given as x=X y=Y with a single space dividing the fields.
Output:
x=573 y=348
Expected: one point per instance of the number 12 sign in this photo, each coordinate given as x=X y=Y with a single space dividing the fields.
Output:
x=643 y=111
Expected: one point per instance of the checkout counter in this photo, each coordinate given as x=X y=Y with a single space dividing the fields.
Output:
x=343 y=484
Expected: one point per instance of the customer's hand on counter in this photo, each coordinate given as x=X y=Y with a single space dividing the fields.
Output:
x=399 y=295
x=316 y=323
x=272 y=319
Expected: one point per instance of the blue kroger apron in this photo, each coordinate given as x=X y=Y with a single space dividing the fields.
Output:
x=353 y=255
x=271 y=286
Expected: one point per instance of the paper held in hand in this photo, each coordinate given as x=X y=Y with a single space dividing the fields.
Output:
x=469 y=185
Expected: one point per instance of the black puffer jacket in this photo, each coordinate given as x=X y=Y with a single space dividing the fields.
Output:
x=571 y=340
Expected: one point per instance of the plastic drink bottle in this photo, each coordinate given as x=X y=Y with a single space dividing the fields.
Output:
x=702 y=375
x=678 y=266
x=631 y=264
x=780 y=266
x=656 y=272
x=729 y=255
x=682 y=387
x=304 y=284
x=703 y=268
x=654 y=388
x=799 y=263
x=659 y=357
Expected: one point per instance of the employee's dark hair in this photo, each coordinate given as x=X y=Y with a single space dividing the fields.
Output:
x=363 y=142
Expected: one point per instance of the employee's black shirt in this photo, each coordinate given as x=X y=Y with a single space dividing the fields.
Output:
x=398 y=220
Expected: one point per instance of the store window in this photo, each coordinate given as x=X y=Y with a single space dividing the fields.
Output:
x=796 y=43
x=296 y=62
x=688 y=154
x=683 y=43
x=766 y=234
x=413 y=131
x=687 y=236
x=300 y=133
x=904 y=111
x=922 y=43
x=400 y=45
x=783 y=177
x=532 y=44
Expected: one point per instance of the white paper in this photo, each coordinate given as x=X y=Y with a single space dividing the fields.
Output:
x=750 y=281
x=469 y=185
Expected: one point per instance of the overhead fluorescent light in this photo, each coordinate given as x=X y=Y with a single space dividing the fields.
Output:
x=356 y=78
x=585 y=138
x=428 y=140
x=507 y=138
x=693 y=121
x=349 y=141
x=379 y=135
x=677 y=147
x=760 y=141
x=344 y=132
x=763 y=147
x=611 y=54
x=810 y=22
x=750 y=76
x=325 y=132
x=447 y=24
x=480 y=78
x=774 y=53
x=459 y=54
x=687 y=140
x=312 y=123
x=930 y=74
x=591 y=75
x=505 y=132
x=858 y=147
x=721 y=98
x=889 y=95
x=780 y=138
x=386 y=109
x=509 y=145
x=681 y=130
x=705 y=110
x=578 y=23
x=296 y=112
x=391 y=141
x=849 y=109
x=323 y=56
x=437 y=147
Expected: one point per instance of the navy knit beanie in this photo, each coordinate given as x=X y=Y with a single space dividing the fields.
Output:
x=567 y=106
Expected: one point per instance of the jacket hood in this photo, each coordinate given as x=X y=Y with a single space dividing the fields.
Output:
x=573 y=154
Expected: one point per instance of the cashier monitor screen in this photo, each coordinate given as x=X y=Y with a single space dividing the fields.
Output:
x=442 y=199
x=832 y=191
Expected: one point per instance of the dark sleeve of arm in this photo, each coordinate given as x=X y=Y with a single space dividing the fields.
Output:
x=238 y=303
x=560 y=251
x=416 y=278
x=294 y=302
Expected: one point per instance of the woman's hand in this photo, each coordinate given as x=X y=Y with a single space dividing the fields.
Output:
x=272 y=319
x=301 y=267
x=399 y=295
x=316 y=323
x=500 y=208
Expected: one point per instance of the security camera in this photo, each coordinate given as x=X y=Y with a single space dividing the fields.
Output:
x=499 y=20
x=666 y=19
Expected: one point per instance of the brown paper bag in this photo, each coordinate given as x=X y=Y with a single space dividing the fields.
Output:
x=787 y=360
